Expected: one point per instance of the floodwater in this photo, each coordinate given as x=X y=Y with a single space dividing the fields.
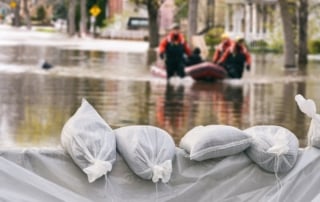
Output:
x=35 y=103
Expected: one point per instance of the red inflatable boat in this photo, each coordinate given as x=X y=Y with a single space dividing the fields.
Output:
x=202 y=71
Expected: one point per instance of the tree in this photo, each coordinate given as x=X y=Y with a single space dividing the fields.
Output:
x=288 y=31
x=152 y=7
x=83 y=21
x=60 y=11
x=27 y=13
x=192 y=18
x=16 y=20
x=41 y=13
x=303 y=32
x=71 y=17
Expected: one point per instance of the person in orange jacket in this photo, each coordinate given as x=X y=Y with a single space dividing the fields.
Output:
x=225 y=43
x=172 y=49
x=236 y=58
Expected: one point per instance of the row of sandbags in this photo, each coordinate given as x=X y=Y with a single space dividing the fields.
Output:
x=149 y=151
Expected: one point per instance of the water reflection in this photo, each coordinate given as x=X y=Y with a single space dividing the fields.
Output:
x=35 y=104
x=90 y=63
x=172 y=110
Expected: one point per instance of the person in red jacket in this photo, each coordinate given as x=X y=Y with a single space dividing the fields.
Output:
x=225 y=43
x=172 y=49
x=235 y=58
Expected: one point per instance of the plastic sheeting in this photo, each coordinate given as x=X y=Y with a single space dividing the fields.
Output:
x=51 y=175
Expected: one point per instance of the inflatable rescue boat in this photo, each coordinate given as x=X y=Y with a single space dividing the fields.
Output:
x=202 y=71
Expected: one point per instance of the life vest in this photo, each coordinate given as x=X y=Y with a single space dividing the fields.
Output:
x=221 y=48
x=169 y=41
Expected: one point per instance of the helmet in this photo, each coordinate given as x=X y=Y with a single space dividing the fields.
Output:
x=239 y=39
x=175 y=26
x=224 y=36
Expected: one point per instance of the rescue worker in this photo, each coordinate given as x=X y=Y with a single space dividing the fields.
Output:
x=225 y=43
x=236 y=58
x=172 y=49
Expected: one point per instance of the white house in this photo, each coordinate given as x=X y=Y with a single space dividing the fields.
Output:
x=252 y=19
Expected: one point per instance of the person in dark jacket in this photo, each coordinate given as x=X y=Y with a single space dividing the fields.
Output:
x=195 y=58
x=172 y=49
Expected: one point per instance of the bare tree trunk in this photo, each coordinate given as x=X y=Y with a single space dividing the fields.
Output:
x=192 y=18
x=27 y=13
x=71 y=17
x=153 y=24
x=211 y=13
x=289 y=48
x=83 y=23
x=16 y=21
x=303 y=32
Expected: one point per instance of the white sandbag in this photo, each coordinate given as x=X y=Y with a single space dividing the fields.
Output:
x=309 y=108
x=90 y=142
x=147 y=150
x=274 y=148
x=213 y=141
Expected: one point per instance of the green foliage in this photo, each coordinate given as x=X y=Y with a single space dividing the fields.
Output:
x=276 y=46
x=212 y=37
x=106 y=22
x=313 y=24
x=45 y=29
x=314 y=46
x=100 y=19
x=60 y=11
x=179 y=2
x=275 y=40
x=259 y=46
x=182 y=6
x=41 y=13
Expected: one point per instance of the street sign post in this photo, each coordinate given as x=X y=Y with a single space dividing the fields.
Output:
x=13 y=4
x=94 y=11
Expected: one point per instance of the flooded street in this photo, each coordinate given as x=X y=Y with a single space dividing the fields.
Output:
x=35 y=103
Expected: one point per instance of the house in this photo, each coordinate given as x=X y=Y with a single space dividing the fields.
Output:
x=114 y=7
x=252 y=19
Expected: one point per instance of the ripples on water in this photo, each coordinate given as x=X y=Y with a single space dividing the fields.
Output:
x=34 y=103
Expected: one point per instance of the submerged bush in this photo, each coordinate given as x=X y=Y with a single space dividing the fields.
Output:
x=213 y=37
x=263 y=46
x=314 y=46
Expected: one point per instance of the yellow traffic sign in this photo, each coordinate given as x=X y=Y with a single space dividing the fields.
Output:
x=95 y=10
x=13 y=4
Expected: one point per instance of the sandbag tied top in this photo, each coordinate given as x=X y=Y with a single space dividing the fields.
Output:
x=308 y=107
x=274 y=148
x=147 y=150
x=90 y=142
